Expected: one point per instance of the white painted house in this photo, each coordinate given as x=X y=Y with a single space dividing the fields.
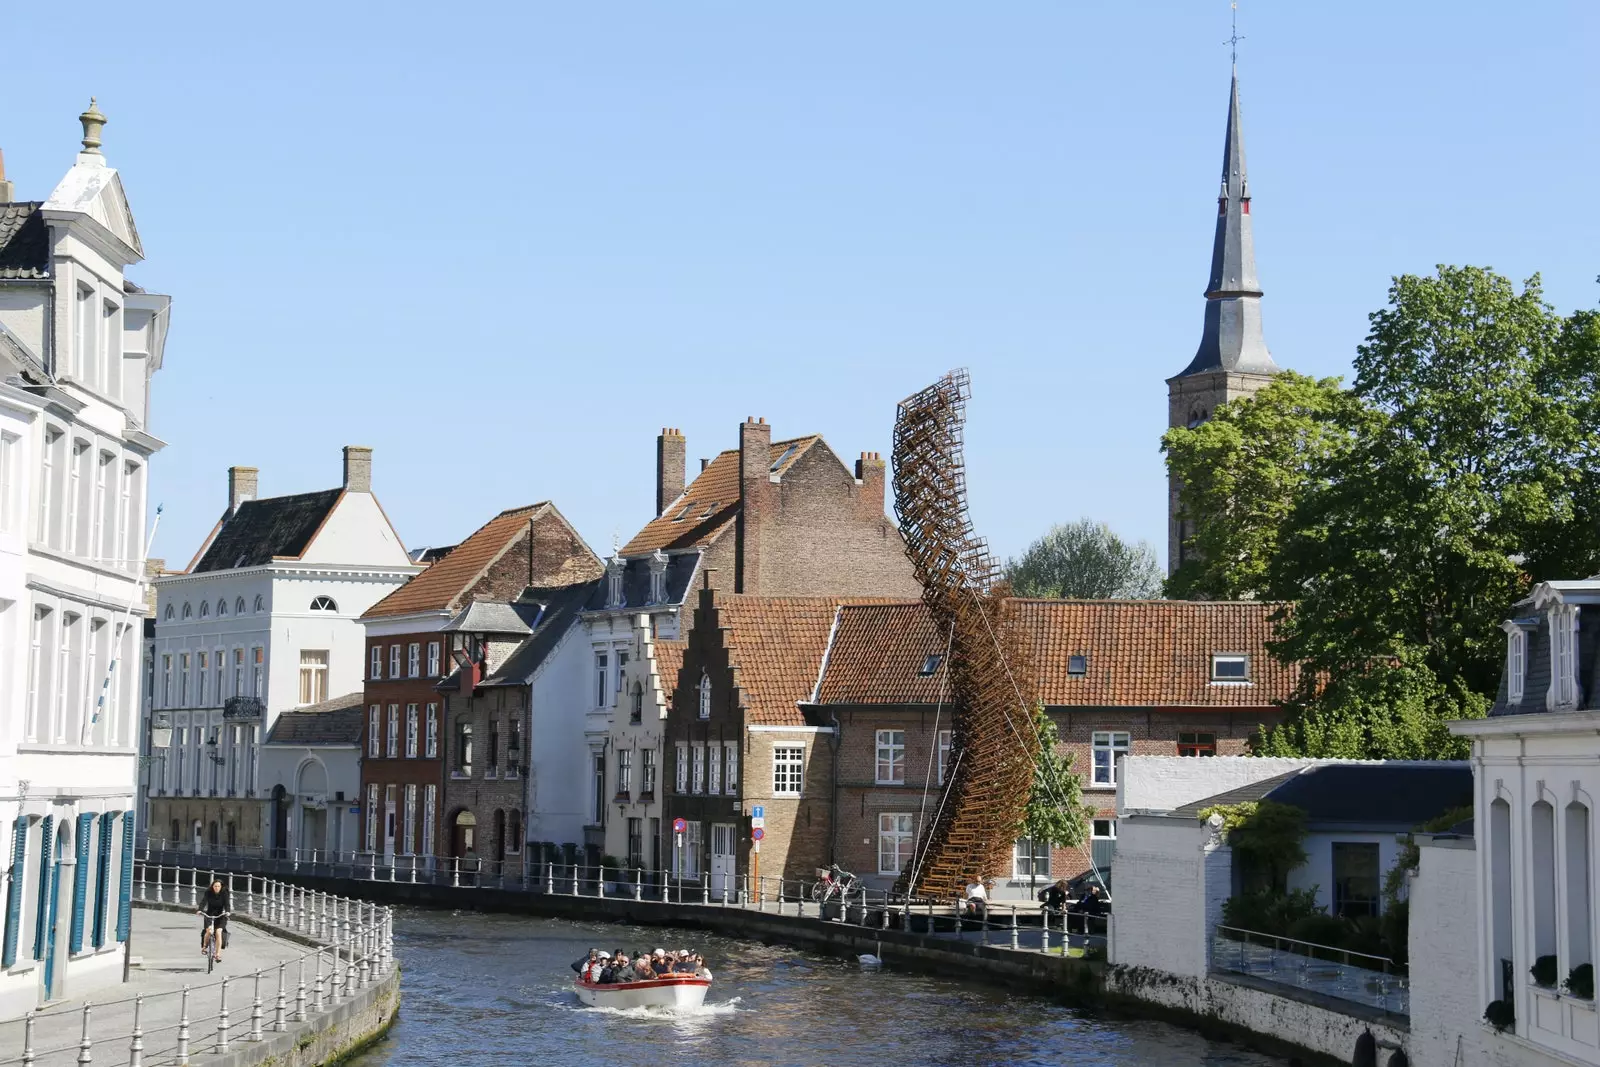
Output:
x=1520 y=889
x=264 y=620
x=78 y=345
x=313 y=754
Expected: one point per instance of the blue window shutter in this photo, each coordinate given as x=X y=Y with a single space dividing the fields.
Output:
x=41 y=921
x=125 y=894
x=80 y=882
x=19 y=859
x=108 y=822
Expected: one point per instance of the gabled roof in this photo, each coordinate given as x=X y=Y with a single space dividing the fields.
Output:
x=261 y=530
x=560 y=608
x=442 y=586
x=710 y=502
x=1381 y=795
x=24 y=242
x=332 y=722
x=1137 y=653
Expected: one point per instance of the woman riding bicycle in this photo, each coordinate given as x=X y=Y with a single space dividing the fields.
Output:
x=214 y=907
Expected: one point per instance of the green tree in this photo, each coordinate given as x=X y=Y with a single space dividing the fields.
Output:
x=1240 y=473
x=1056 y=814
x=1085 y=560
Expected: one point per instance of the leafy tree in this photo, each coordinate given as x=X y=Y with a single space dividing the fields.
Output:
x=1268 y=839
x=1056 y=813
x=1085 y=560
x=1240 y=473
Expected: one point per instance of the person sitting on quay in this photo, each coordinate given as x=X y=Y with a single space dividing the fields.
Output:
x=1054 y=897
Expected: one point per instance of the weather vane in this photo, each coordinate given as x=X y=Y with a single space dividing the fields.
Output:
x=1233 y=41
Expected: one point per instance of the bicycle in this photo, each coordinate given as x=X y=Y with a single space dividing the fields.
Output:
x=834 y=880
x=212 y=936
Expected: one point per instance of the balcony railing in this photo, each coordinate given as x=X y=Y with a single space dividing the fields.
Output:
x=1359 y=977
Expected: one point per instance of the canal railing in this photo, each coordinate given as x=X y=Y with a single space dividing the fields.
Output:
x=1341 y=973
x=1003 y=925
x=350 y=947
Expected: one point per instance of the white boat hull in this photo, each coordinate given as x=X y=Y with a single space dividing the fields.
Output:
x=677 y=992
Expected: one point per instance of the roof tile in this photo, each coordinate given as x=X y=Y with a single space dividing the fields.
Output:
x=24 y=241
x=440 y=587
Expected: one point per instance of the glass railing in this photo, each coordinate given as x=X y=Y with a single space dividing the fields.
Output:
x=1342 y=973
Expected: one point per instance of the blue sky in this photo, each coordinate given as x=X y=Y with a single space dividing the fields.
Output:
x=505 y=245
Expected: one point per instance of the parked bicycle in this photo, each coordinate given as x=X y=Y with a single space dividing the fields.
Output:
x=833 y=881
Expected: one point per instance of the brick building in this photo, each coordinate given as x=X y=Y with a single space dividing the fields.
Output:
x=738 y=738
x=1148 y=677
x=408 y=654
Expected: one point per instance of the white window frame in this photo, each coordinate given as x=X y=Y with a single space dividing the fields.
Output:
x=889 y=768
x=414 y=660
x=314 y=675
x=372 y=816
x=433 y=659
x=704 y=690
x=602 y=671
x=394 y=661
x=944 y=754
x=698 y=775
x=431 y=740
x=411 y=731
x=1218 y=658
x=788 y=770
x=430 y=807
x=681 y=768
x=647 y=771
x=1094 y=829
x=408 y=830
x=392 y=737
x=374 y=730
x=1563 y=656
x=1516 y=664
x=730 y=774
x=897 y=829
x=1114 y=742
x=1024 y=866
x=377 y=661
x=625 y=771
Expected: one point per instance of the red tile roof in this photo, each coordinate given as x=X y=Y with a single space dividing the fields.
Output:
x=710 y=502
x=440 y=586
x=669 y=662
x=1140 y=653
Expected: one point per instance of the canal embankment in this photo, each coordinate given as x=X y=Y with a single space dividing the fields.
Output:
x=1297 y=1025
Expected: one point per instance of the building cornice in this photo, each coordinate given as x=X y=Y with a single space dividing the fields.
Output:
x=1535 y=722
x=296 y=569
x=42 y=584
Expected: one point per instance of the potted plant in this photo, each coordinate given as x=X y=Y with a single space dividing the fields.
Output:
x=1580 y=982
x=1500 y=1015
x=1544 y=972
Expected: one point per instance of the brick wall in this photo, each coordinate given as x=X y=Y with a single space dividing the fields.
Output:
x=555 y=555
x=381 y=770
x=494 y=793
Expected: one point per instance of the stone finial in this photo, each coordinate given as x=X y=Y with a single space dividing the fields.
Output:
x=7 y=193
x=93 y=124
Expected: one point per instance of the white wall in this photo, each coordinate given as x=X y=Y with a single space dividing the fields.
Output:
x=357 y=533
x=559 y=772
x=1161 y=783
x=299 y=768
x=1171 y=879
x=1317 y=871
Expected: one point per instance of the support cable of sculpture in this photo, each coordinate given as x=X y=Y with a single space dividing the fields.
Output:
x=987 y=790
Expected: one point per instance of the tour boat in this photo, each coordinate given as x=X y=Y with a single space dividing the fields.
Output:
x=675 y=991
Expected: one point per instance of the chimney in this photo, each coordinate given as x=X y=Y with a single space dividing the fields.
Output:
x=241 y=486
x=755 y=486
x=704 y=463
x=8 y=193
x=357 y=469
x=671 y=450
x=870 y=472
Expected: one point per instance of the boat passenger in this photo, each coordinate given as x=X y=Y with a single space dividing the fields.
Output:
x=642 y=969
x=601 y=959
x=581 y=964
x=700 y=968
x=625 y=971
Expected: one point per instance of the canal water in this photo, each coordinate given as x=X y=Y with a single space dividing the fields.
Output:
x=491 y=989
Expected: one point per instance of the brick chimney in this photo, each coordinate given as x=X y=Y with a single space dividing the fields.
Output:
x=872 y=474
x=357 y=469
x=671 y=455
x=755 y=494
x=241 y=486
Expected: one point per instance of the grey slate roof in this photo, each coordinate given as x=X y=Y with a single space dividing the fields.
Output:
x=494 y=617
x=1537 y=676
x=332 y=722
x=24 y=241
x=561 y=607
x=681 y=568
x=1377 y=796
x=262 y=529
x=1232 y=338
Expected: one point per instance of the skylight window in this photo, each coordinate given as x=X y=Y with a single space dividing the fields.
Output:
x=781 y=460
x=684 y=514
x=1229 y=667
x=711 y=509
x=1077 y=666
x=931 y=664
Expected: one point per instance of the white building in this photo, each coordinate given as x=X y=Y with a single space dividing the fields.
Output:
x=637 y=741
x=78 y=345
x=313 y=756
x=1506 y=916
x=264 y=620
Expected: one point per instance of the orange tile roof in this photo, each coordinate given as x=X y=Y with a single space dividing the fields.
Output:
x=439 y=587
x=1141 y=653
x=669 y=662
x=777 y=645
x=709 y=503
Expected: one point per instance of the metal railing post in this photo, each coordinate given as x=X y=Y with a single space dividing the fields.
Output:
x=1014 y=927
x=27 y=1040
x=1044 y=945
x=255 y=1010
x=600 y=882
x=316 y=989
x=550 y=877
x=222 y=1019
x=85 y=1045
x=279 y=1010
x=300 y=994
x=638 y=883
x=574 y=879
x=183 y=1030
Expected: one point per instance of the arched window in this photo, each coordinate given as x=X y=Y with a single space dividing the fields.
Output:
x=222 y=607
x=260 y=603
x=1543 y=882
x=323 y=603
x=238 y=606
x=705 y=695
x=187 y=609
x=205 y=609
x=169 y=613
x=514 y=832
x=1579 y=892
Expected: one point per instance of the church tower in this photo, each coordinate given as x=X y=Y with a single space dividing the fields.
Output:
x=1232 y=360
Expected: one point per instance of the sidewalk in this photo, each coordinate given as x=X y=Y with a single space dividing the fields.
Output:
x=167 y=958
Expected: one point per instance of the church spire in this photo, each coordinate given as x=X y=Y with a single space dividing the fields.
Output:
x=1232 y=339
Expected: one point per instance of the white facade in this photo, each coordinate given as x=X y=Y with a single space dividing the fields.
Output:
x=78 y=345
x=560 y=784
x=636 y=748
x=234 y=648
x=325 y=782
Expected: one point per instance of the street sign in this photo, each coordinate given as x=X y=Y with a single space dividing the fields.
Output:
x=757 y=823
x=757 y=834
x=679 y=826
x=758 y=812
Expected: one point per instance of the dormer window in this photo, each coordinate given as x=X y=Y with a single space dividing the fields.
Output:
x=1077 y=666
x=614 y=572
x=931 y=664
x=1516 y=664
x=658 y=577
x=1563 y=656
x=1230 y=667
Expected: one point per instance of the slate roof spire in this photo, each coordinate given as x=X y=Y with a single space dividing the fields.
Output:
x=1232 y=338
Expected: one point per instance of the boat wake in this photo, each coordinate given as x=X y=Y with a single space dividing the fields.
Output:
x=726 y=1007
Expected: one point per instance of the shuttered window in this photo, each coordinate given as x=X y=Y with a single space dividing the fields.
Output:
x=102 y=878
x=19 y=859
x=80 y=882
x=42 y=918
x=125 y=890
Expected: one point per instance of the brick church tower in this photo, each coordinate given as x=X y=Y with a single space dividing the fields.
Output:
x=1232 y=360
